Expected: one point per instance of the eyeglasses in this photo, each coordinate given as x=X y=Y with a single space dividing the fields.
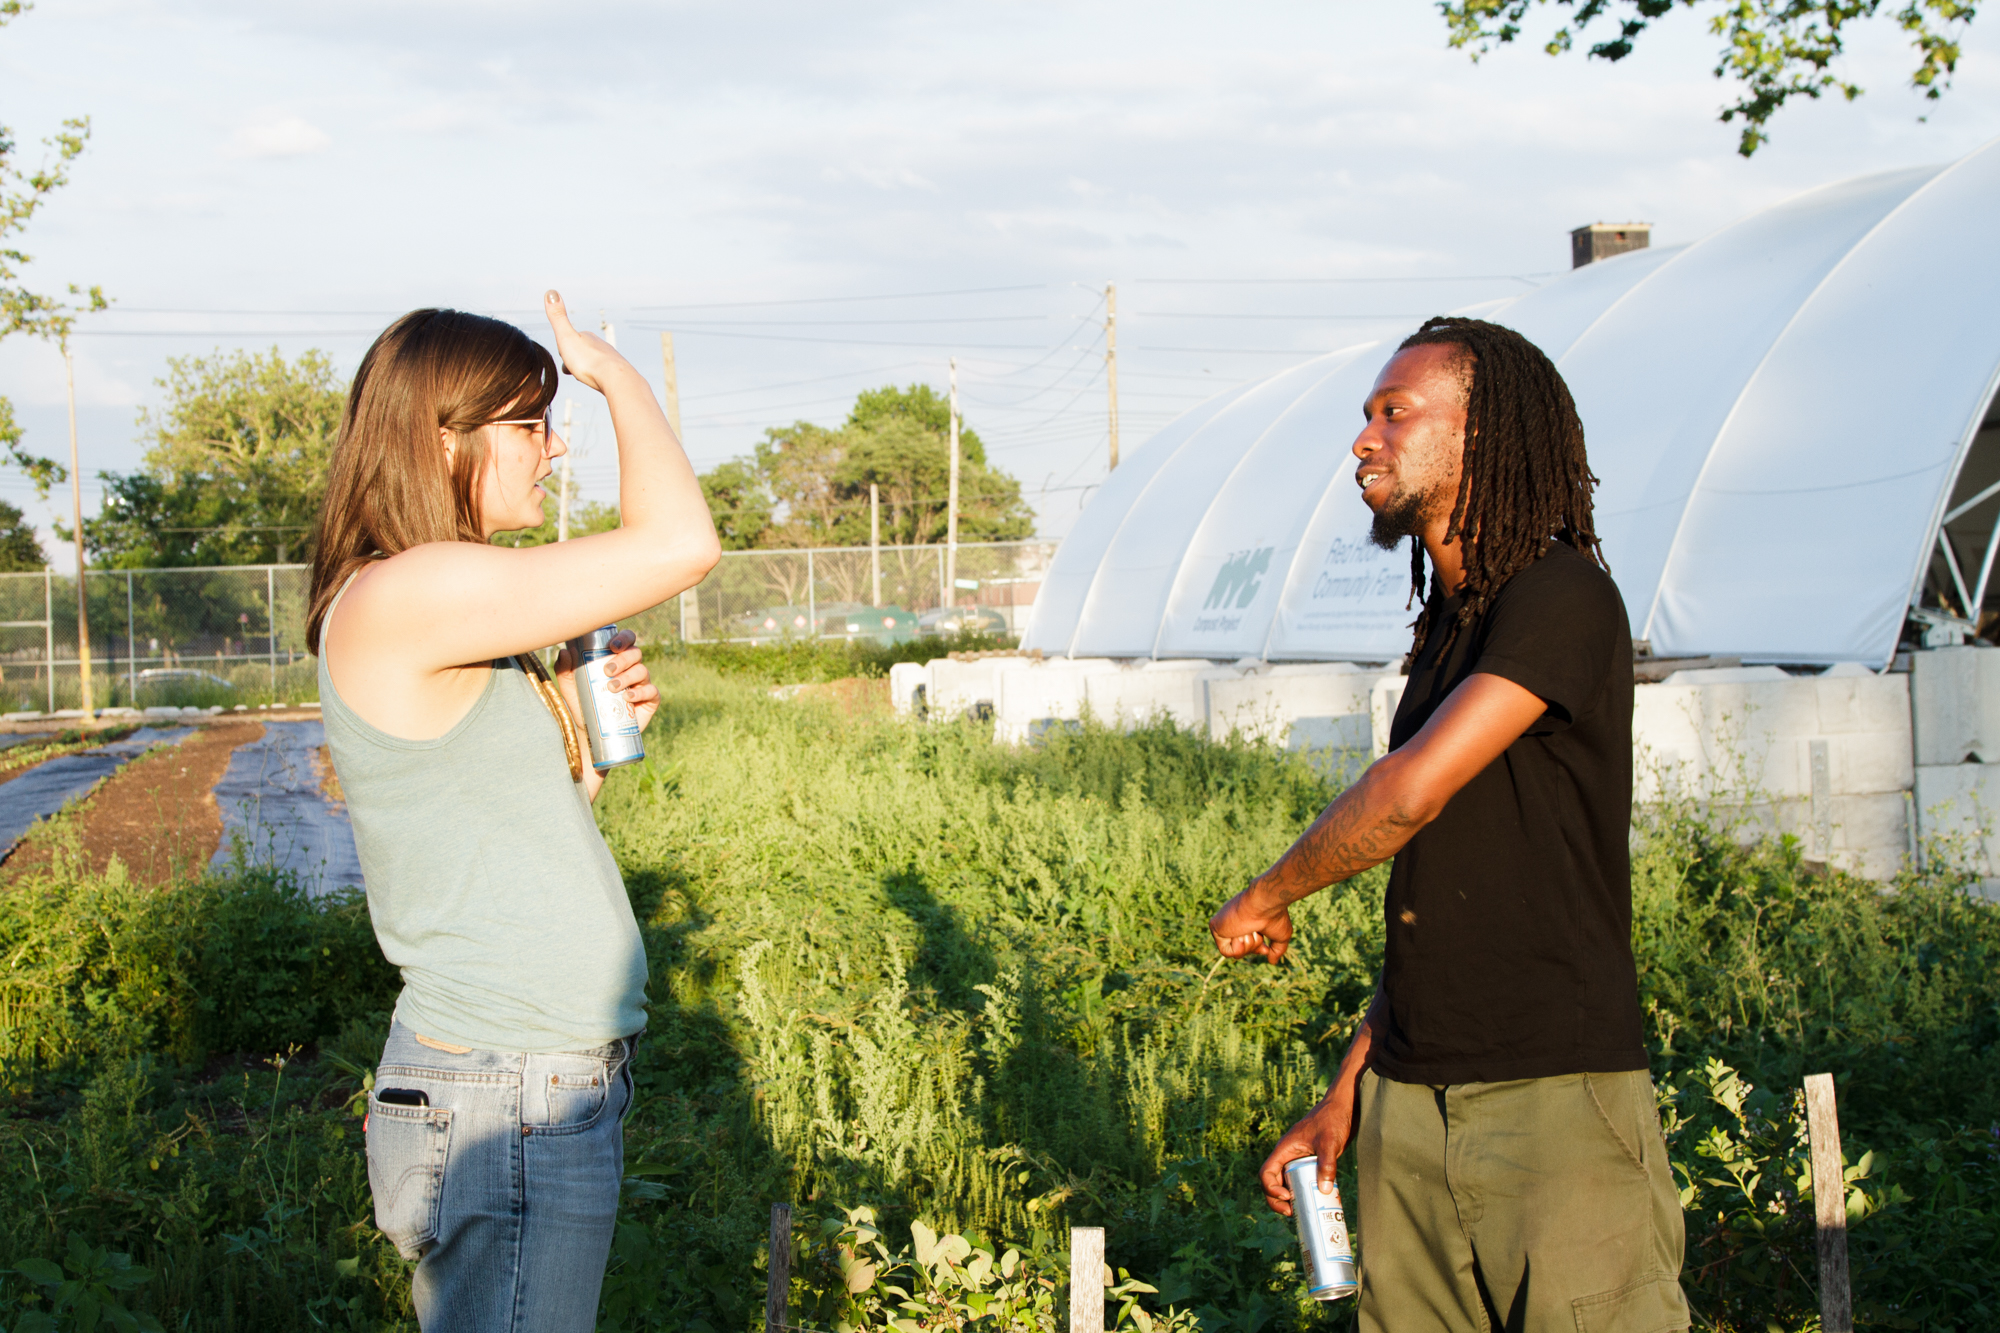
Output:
x=541 y=427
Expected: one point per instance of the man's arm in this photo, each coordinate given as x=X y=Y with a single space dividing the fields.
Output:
x=1327 y=1129
x=1373 y=820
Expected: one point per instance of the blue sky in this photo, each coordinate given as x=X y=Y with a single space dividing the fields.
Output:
x=1261 y=181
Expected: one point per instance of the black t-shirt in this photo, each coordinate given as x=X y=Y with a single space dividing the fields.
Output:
x=1510 y=915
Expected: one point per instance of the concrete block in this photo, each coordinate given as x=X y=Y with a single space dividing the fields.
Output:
x=1384 y=696
x=954 y=689
x=904 y=680
x=1862 y=702
x=1726 y=676
x=1955 y=701
x=1868 y=834
x=1041 y=691
x=1143 y=692
x=1960 y=804
x=1752 y=740
x=1270 y=703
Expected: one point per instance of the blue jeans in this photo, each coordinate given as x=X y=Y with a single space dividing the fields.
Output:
x=504 y=1186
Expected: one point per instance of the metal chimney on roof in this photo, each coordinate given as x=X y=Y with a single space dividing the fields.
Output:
x=1601 y=240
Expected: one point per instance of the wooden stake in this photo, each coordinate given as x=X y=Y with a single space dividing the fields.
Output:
x=1836 y=1301
x=1086 y=1280
x=778 y=1292
x=1111 y=362
x=673 y=391
x=951 y=502
x=76 y=510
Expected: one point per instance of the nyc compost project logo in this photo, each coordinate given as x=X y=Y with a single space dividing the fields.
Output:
x=1236 y=586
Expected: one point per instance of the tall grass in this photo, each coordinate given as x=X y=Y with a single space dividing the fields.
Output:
x=897 y=967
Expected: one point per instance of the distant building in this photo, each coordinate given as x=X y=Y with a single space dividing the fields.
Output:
x=1601 y=240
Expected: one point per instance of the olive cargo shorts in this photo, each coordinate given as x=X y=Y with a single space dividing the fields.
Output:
x=1533 y=1205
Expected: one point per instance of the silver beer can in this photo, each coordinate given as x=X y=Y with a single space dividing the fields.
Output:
x=608 y=719
x=1329 y=1255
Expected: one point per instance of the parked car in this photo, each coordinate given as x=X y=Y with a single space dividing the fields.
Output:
x=948 y=620
x=882 y=624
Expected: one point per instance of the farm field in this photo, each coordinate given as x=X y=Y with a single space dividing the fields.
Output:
x=898 y=968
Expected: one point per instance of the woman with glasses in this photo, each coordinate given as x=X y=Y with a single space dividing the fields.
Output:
x=495 y=1126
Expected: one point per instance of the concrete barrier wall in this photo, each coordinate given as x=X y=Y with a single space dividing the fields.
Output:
x=1147 y=691
x=1287 y=703
x=1049 y=691
x=1856 y=765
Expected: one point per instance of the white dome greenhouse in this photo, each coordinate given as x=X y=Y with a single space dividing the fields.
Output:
x=1793 y=421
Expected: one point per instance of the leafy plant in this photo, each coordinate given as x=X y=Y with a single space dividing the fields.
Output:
x=945 y=1281
x=87 y=1296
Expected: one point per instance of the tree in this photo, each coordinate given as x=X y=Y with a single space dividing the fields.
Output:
x=806 y=485
x=921 y=404
x=20 y=548
x=22 y=193
x=739 y=500
x=1775 y=49
x=235 y=468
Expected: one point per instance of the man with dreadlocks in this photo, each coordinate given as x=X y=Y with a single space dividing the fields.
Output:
x=1511 y=1171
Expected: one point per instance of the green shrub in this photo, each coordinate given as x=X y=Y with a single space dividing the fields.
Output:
x=104 y=968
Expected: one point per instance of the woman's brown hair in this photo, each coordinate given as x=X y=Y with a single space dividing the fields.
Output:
x=389 y=486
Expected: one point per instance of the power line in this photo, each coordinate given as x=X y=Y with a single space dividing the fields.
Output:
x=1300 y=282
x=1192 y=314
x=792 y=384
x=838 y=300
x=1249 y=351
x=849 y=342
x=224 y=333
x=847 y=323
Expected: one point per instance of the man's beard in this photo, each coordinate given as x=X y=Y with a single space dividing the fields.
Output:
x=1403 y=516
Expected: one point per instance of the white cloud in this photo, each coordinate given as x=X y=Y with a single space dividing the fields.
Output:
x=287 y=136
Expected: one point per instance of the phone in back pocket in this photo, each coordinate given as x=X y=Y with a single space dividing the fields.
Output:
x=402 y=1097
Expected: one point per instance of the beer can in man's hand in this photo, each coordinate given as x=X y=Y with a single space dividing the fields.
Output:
x=1329 y=1255
x=608 y=718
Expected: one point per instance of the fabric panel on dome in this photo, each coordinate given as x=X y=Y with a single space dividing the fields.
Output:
x=1226 y=592
x=1121 y=616
x=1657 y=376
x=1815 y=514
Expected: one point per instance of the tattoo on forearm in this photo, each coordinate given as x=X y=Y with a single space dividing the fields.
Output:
x=1348 y=837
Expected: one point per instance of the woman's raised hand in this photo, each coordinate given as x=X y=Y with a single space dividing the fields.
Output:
x=584 y=355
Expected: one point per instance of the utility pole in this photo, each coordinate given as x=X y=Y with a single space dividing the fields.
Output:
x=673 y=386
x=951 y=502
x=875 y=541
x=562 y=505
x=1111 y=362
x=76 y=514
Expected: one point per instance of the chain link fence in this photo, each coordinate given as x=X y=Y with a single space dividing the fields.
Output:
x=236 y=634
x=888 y=594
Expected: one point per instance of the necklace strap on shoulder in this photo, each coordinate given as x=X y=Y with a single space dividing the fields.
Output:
x=552 y=699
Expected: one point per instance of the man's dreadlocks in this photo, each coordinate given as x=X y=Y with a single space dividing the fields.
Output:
x=1524 y=478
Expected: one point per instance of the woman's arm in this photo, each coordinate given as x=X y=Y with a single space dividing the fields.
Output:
x=451 y=604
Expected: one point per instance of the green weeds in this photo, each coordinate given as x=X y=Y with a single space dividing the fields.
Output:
x=949 y=1000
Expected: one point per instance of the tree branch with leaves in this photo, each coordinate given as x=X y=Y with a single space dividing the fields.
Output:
x=23 y=192
x=1775 y=50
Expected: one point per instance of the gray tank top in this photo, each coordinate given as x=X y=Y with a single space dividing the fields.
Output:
x=489 y=885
